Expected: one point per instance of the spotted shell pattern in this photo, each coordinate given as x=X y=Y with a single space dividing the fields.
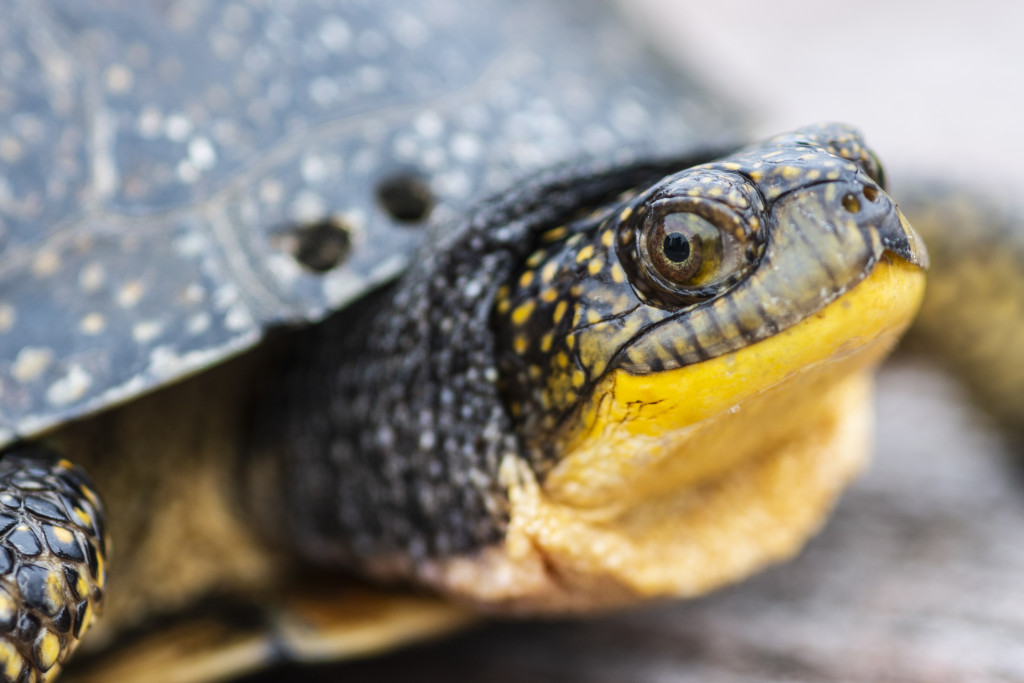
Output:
x=158 y=162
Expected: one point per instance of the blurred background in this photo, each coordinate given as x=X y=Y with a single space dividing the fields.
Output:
x=938 y=87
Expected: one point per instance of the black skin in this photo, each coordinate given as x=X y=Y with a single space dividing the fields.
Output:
x=399 y=346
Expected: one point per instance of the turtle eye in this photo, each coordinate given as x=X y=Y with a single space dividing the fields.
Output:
x=687 y=254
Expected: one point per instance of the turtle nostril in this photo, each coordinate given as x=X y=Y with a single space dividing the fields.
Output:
x=870 y=193
x=407 y=198
x=850 y=203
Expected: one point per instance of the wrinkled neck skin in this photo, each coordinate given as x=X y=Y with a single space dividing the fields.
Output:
x=394 y=423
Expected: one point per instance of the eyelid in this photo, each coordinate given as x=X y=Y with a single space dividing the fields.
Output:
x=720 y=214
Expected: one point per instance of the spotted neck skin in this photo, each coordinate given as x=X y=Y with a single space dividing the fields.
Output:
x=386 y=435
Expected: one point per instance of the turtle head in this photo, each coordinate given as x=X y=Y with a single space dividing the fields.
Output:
x=689 y=369
x=579 y=397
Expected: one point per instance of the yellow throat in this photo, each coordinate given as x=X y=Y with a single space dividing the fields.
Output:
x=683 y=480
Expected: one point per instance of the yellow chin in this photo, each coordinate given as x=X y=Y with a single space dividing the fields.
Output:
x=681 y=481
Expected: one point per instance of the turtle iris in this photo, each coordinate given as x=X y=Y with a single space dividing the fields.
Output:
x=685 y=249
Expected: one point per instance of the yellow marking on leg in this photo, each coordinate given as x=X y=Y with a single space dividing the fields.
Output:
x=47 y=649
x=11 y=661
x=63 y=535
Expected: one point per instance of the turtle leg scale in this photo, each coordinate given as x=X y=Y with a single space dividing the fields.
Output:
x=52 y=562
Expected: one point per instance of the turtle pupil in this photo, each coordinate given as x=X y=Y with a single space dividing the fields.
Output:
x=676 y=247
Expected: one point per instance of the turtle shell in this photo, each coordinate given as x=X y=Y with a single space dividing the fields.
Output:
x=178 y=178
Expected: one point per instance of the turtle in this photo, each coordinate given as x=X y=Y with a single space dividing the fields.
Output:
x=484 y=299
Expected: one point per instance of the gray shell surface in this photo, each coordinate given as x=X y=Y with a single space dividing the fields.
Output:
x=153 y=154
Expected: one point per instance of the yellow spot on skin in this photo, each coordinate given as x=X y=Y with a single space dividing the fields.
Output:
x=595 y=266
x=522 y=312
x=63 y=535
x=790 y=172
x=520 y=344
x=101 y=570
x=560 y=311
x=549 y=295
x=593 y=317
x=55 y=586
x=578 y=378
x=618 y=274
x=91 y=496
x=545 y=341
x=554 y=234
x=584 y=254
x=47 y=649
x=731 y=166
x=81 y=586
x=562 y=360
x=832 y=175
x=626 y=213
x=82 y=517
x=715 y=192
x=547 y=273
x=8 y=608
x=813 y=174
x=570 y=342
x=756 y=176
x=11 y=661
x=607 y=238
x=503 y=299
x=536 y=258
x=736 y=198
x=526 y=278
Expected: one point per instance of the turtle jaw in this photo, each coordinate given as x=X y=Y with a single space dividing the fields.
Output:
x=691 y=478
